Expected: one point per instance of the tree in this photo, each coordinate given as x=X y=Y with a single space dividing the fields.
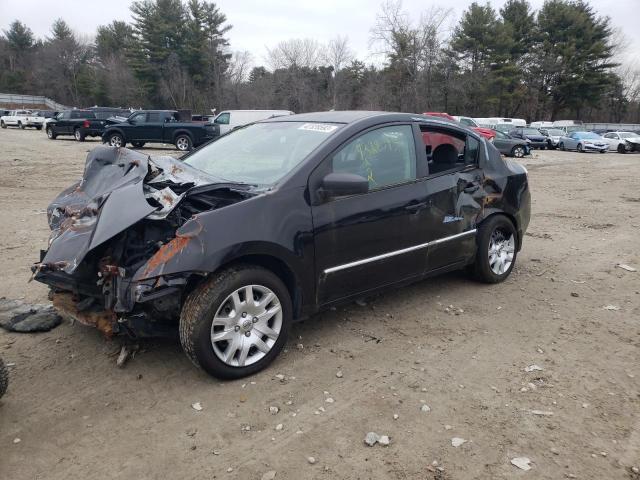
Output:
x=575 y=51
x=60 y=30
x=336 y=55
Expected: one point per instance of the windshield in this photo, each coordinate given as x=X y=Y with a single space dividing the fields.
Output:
x=530 y=131
x=262 y=153
x=588 y=135
x=627 y=135
x=555 y=133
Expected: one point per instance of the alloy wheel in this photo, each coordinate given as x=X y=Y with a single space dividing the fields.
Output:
x=246 y=326
x=182 y=144
x=518 y=152
x=115 y=141
x=502 y=247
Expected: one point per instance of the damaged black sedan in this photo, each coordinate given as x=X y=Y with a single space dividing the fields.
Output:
x=274 y=222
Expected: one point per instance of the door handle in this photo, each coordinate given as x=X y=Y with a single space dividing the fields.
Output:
x=416 y=207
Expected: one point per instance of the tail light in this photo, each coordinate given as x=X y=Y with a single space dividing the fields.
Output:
x=86 y=124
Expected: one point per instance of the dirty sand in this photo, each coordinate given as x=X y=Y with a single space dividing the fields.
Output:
x=78 y=416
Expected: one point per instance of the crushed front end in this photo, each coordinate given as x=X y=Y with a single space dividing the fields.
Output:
x=112 y=232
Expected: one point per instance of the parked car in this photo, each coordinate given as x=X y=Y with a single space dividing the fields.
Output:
x=78 y=123
x=22 y=119
x=553 y=137
x=274 y=222
x=230 y=119
x=535 y=137
x=158 y=126
x=487 y=133
x=4 y=378
x=623 y=142
x=511 y=147
x=584 y=142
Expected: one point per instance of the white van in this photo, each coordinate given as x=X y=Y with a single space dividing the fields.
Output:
x=230 y=119
x=540 y=125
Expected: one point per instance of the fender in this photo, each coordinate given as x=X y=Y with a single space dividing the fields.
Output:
x=109 y=130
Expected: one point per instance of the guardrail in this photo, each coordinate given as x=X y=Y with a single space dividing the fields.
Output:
x=31 y=100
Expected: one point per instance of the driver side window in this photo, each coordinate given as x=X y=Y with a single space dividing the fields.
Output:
x=385 y=156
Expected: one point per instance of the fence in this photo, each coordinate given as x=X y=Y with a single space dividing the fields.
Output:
x=31 y=100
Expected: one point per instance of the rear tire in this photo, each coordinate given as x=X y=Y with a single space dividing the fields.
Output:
x=50 y=133
x=603 y=151
x=39 y=127
x=3 y=125
x=77 y=134
x=21 y=125
x=245 y=344
x=496 y=255
x=183 y=143
x=4 y=378
x=517 y=151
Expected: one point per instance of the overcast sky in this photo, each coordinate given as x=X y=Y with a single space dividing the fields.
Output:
x=258 y=24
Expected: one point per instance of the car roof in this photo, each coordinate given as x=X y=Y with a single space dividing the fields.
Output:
x=352 y=116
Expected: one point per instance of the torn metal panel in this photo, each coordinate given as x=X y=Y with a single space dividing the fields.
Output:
x=103 y=320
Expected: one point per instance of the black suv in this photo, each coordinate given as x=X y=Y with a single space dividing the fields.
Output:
x=274 y=222
x=158 y=126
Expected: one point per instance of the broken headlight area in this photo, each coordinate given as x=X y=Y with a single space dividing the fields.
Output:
x=103 y=235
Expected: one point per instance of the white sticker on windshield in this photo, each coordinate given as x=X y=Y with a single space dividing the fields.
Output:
x=318 y=127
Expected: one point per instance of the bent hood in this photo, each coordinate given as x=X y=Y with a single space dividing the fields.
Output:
x=112 y=195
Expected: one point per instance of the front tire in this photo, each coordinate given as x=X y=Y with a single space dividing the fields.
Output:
x=517 y=151
x=496 y=255
x=50 y=133
x=3 y=125
x=580 y=149
x=562 y=147
x=21 y=125
x=78 y=135
x=39 y=127
x=183 y=143
x=621 y=148
x=137 y=144
x=236 y=323
x=116 y=140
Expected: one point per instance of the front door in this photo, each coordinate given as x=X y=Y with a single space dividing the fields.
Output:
x=455 y=195
x=366 y=241
x=153 y=127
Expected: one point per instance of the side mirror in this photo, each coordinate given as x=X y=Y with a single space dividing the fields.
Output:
x=343 y=184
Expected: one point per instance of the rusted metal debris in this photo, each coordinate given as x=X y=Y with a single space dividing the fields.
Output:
x=103 y=320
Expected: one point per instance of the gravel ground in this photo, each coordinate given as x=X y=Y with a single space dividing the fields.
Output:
x=459 y=347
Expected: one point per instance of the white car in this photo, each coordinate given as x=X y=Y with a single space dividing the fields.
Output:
x=22 y=119
x=554 y=135
x=623 y=142
x=230 y=119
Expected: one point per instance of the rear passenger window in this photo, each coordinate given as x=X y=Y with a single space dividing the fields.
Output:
x=153 y=117
x=448 y=150
x=385 y=156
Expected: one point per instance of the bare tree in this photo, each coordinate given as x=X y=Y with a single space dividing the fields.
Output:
x=296 y=52
x=238 y=73
x=337 y=55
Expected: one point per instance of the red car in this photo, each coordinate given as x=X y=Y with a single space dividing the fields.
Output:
x=485 y=132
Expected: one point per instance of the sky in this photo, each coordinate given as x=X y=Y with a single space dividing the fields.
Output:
x=258 y=24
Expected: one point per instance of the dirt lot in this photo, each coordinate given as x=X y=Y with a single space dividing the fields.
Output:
x=78 y=416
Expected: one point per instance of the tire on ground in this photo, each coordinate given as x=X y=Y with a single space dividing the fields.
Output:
x=481 y=268
x=183 y=142
x=4 y=378
x=202 y=304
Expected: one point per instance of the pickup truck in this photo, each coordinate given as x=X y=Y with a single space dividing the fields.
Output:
x=79 y=123
x=22 y=119
x=159 y=126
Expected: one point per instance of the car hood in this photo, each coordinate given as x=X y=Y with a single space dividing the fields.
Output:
x=633 y=140
x=119 y=187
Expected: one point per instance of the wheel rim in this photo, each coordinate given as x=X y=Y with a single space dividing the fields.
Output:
x=49 y=133
x=501 y=251
x=77 y=134
x=579 y=147
x=518 y=152
x=115 y=141
x=182 y=143
x=246 y=326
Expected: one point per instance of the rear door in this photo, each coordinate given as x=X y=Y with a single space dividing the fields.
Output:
x=366 y=241
x=454 y=195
